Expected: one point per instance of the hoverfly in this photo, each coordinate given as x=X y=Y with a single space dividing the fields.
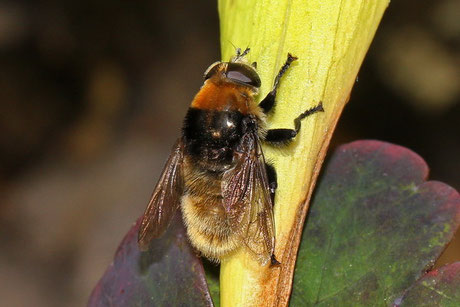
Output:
x=217 y=173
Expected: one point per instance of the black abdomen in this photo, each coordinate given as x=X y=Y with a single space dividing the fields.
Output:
x=211 y=136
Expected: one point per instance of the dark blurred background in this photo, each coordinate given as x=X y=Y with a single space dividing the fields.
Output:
x=92 y=98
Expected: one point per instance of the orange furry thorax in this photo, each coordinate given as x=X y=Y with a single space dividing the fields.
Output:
x=219 y=95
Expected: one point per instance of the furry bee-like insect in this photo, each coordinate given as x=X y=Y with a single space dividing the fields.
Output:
x=217 y=173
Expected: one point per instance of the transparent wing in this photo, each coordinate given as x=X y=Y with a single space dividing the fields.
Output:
x=246 y=196
x=165 y=199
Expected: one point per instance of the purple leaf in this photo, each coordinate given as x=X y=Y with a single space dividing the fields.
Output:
x=375 y=226
x=169 y=274
x=439 y=287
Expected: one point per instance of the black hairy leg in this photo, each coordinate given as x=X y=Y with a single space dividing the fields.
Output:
x=282 y=136
x=274 y=261
x=272 y=185
x=272 y=182
x=268 y=102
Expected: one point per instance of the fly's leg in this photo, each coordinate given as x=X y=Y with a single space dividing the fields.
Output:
x=273 y=261
x=268 y=102
x=272 y=183
x=283 y=136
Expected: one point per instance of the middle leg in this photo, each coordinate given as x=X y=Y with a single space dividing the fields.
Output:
x=282 y=136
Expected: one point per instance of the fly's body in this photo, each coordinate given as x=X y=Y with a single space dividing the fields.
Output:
x=217 y=173
x=220 y=115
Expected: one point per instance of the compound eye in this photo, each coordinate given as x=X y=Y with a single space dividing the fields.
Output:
x=212 y=70
x=243 y=74
x=239 y=77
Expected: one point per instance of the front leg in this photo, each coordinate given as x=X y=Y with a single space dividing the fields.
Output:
x=283 y=136
x=268 y=102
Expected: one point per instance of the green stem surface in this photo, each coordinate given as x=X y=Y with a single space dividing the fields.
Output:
x=330 y=39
